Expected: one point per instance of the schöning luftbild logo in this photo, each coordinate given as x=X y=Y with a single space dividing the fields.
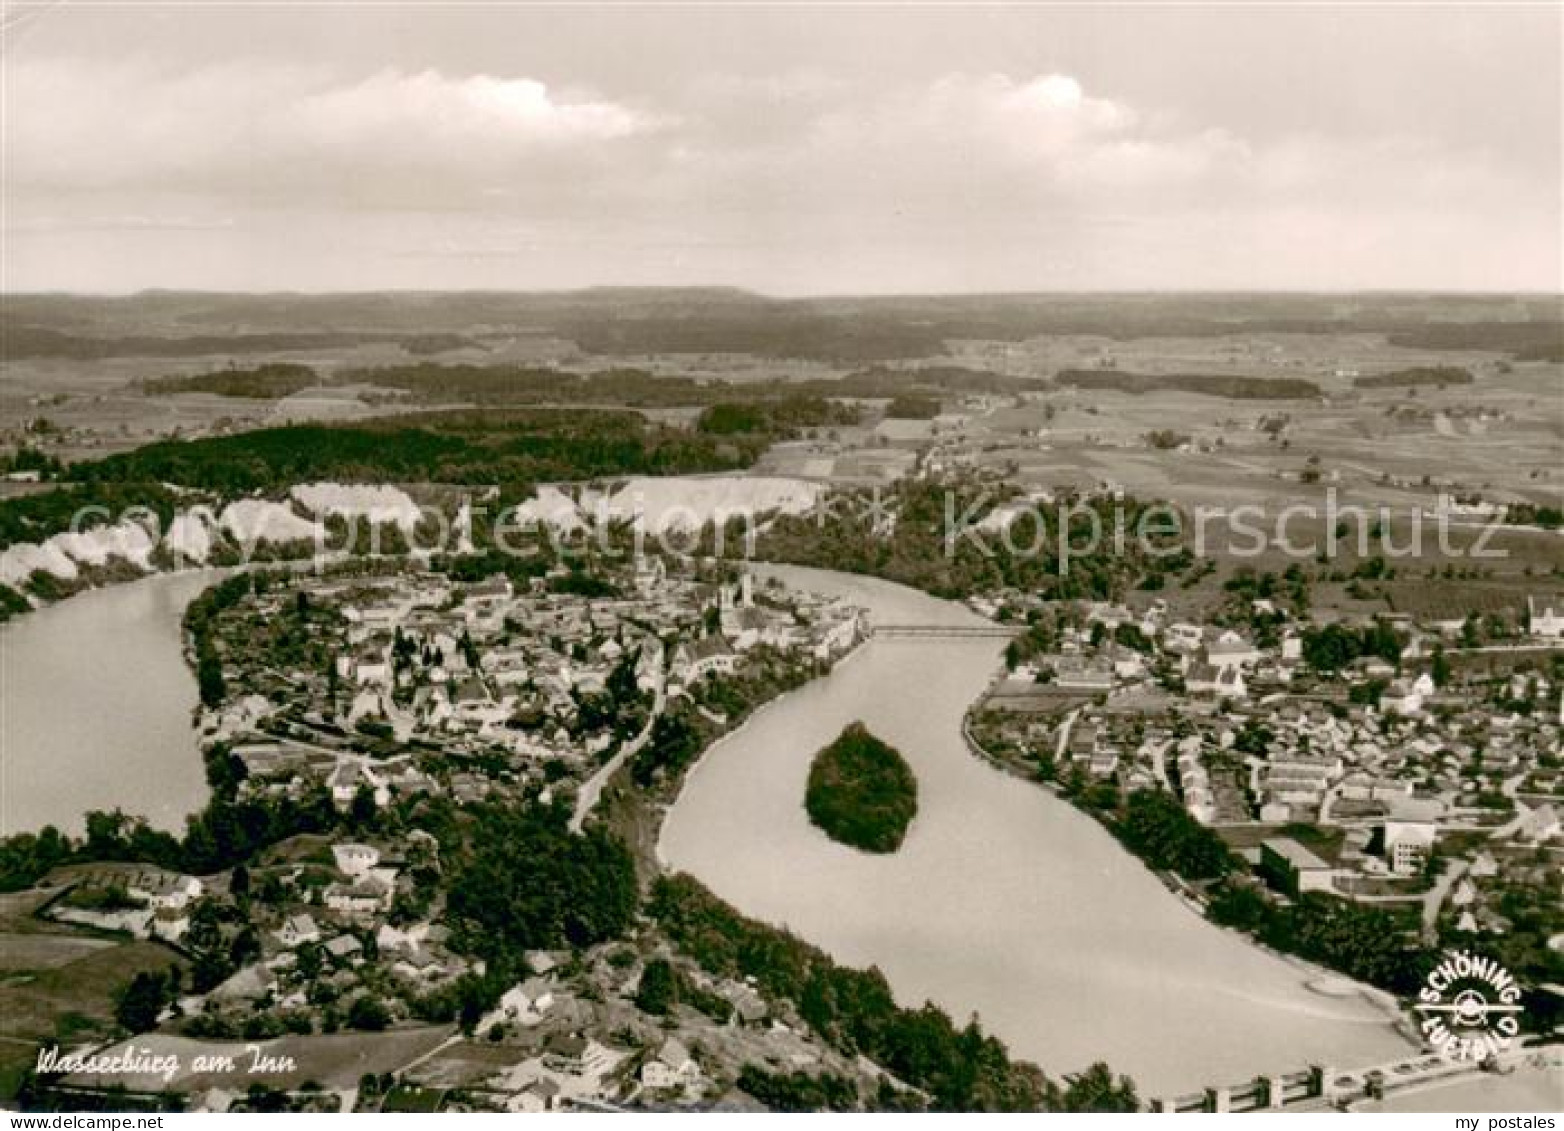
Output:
x=1470 y=1006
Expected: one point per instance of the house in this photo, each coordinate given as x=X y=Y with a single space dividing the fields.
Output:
x=1356 y=786
x=650 y=572
x=649 y=665
x=159 y=889
x=355 y=859
x=363 y=896
x=1408 y=844
x=836 y=635
x=1082 y=742
x=575 y=1055
x=710 y=654
x=1230 y=684
x=348 y=777
x=420 y=965
x=170 y=923
x=1292 y=867
x=1299 y=779
x=749 y=627
x=1200 y=679
x=1464 y=894
x=1109 y=616
x=672 y=1067
x=1231 y=650
x=1127 y=663
x=1545 y=617
x=1199 y=800
x=1224 y=683
x=525 y=1003
x=297 y=929
x=1407 y=696
x=1076 y=674
x=345 y=949
x=1182 y=638
x=1103 y=762
x=748 y=1006
x=375 y=672
x=1541 y=824
x=1373 y=667
x=539 y=1096
x=1402 y=698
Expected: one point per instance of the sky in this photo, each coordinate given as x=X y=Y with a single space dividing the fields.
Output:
x=790 y=149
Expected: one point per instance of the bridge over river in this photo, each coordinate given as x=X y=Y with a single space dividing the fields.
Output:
x=951 y=631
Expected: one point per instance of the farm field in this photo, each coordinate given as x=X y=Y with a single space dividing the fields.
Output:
x=57 y=985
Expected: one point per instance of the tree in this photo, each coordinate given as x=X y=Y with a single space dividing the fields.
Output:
x=209 y=679
x=659 y=988
x=861 y=791
x=141 y=1000
x=26 y=857
x=361 y=811
x=1096 y=1089
x=522 y=881
x=1157 y=829
x=368 y=1013
x=311 y=960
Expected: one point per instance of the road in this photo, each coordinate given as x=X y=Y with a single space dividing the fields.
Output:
x=1510 y=788
x=592 y=788
x=1436 y=895
x=1064 y=736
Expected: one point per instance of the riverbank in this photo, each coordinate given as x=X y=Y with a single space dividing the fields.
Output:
x=966 y=913
x=1317 y=978
x=79 y=731
x=636 y=815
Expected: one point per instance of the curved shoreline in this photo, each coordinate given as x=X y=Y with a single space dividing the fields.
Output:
x=749 y=720
x=82 y=732
x=1312 y=973
x=1281 y=993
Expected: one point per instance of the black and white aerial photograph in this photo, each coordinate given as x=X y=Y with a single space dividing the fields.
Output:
x=809 y=556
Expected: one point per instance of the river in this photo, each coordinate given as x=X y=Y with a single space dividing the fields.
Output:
x=95 y=708
x=1003 y=900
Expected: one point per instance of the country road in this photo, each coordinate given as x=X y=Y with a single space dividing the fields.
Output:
x=592 y=788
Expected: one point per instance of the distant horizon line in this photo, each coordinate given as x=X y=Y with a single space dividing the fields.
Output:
x=652 y=288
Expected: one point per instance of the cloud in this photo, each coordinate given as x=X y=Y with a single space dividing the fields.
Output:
x=980 y=151
x=270 y=130
x=428 y=107
x=804 y=180
x=1046 y=134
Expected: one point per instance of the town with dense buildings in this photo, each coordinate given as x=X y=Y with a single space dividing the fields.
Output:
x=1377 y=761
x=406 y=689
x=1393 y=763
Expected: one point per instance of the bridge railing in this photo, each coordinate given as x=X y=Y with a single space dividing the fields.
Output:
x=954 y=631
